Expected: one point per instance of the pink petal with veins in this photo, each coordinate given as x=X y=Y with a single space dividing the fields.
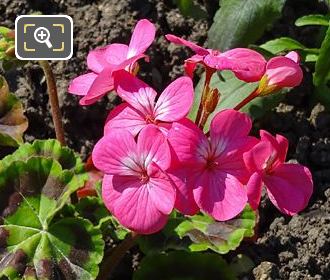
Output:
x=142 y=37
x=290 y=187
x=194 y=47
x=82 y=84
x=220 y=195
x=175 y=101
x=135 y=92
x=124 y=117
x=130 y=201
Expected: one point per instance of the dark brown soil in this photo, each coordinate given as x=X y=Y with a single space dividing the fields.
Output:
x=287 y=248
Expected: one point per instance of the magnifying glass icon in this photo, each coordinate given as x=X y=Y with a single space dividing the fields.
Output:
x=41 y=35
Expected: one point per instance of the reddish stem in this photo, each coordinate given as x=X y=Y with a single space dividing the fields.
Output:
x=53 y=100
x=245 y=101
x=111 y=261
x=203 y=120
x=208 y=75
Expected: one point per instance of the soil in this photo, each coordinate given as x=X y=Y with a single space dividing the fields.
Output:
x=287 y=248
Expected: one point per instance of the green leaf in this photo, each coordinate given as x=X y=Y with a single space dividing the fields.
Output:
x=241 y=22
x=322 y=94
x=241 y=265
x=93 y=209
x=182 y=265
x=313 y=20
x=33 y=244
x=189 y=9
x=221 y=237
x=282 y=44
x=233 y=91
x=13 y=123
x=49 y=148
x=4 y=30
x=322 y=65
x=165 y=240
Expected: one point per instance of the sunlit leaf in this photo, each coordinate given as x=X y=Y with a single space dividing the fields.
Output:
x=221 y=237
x=322 y=65
x=282 y=44
x=313 y=20
x=50 y=148
x=239 y=23
x=33 y=243
x=13 y=123
x=182 y=265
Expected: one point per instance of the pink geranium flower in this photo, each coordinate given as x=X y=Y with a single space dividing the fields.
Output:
x=289 y=186
x=246 y=64
x=104 y=61
x=142 y=108
x=281 y=72
x=214 y=167
x=135 y=188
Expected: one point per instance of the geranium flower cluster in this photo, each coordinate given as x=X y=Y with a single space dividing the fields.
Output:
x=155 y=159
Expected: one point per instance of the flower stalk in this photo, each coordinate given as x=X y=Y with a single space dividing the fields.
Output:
x=249 y=98
x=115 y=255
x=208 y=75
x=53 y=99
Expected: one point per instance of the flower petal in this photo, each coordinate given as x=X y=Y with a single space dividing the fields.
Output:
x=142 y=37
x=116 y=54
x=289 y=187
x=135 y=92
x=191 y=63
x=184 y=202
x=82 y=84
x=124 y=117
x=254 y=187
x=101 y=86
x=231 y=160
x=152 y=146
x=283 y=72
x=194 y=47
x=247 y=65
x=162 y=193
x=220 y=195
x=97 y=59
x=185 y=138
x=256 y=159
x=129 y=200
x=230 y=124
x=115 y=153
x=175 y=101
x=280 y=143
x=294 y=56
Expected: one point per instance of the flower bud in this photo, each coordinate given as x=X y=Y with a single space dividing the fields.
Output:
x=212 y=100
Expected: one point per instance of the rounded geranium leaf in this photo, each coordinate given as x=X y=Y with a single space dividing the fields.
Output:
x=33 y=244
x=13 y=123
x=50 y=148
x=184 y=265
x=221 y=237
x=93 y=209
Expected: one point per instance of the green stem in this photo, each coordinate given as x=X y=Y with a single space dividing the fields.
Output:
x=249 y=98
x=53 y=99
x=116 y=254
